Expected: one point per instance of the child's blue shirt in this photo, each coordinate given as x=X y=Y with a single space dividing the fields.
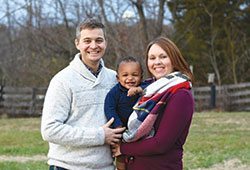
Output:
x=119 y=105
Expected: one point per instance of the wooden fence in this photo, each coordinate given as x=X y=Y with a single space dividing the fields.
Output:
x=227 y=98
x=19 y=102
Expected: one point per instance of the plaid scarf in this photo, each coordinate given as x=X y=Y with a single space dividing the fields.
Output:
x=146 y=110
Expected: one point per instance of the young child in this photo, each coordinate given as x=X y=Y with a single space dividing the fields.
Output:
x=122 y=97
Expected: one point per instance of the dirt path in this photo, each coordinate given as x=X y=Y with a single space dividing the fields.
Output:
x=4 y=158
x=233 y=164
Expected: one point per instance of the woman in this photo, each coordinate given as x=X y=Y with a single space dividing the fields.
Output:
x=169 y=104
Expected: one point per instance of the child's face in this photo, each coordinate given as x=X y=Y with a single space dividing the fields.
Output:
x=129 y=74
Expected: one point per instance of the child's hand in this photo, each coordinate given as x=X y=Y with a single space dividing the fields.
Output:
x=134 y=90
x=116 y=150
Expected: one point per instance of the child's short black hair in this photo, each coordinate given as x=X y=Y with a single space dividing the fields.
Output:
x=128 y=59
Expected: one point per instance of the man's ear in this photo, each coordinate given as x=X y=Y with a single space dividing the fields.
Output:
x=106 y=43
x=117 y=77
x=76 y=44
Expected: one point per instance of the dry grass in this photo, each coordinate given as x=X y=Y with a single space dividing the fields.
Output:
x=216 y=140
x=216 y=137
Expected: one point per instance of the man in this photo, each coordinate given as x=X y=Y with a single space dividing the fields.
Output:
x=73 y=120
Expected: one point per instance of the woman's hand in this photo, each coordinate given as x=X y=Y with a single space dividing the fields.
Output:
x=116 y=150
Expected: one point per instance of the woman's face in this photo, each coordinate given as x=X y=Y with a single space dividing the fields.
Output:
x=159 y=63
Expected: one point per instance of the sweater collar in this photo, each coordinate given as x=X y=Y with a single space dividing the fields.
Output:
x=80 y=67
x=122 y=88
x=98 y=70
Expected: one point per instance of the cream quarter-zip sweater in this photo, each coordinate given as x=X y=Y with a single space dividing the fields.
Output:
x=73 y=116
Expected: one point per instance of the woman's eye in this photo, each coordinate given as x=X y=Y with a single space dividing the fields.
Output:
x=164 y=56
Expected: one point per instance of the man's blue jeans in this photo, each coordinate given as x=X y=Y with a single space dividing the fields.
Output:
x=52 y=167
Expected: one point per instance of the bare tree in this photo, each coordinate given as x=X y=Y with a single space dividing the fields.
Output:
x=212 y=51
x=40 y=37
x=143 y=23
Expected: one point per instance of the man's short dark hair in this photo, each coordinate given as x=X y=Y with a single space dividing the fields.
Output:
x=89 y=23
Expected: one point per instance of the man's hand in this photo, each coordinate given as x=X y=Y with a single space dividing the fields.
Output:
x=134 y=90
x=112 y=136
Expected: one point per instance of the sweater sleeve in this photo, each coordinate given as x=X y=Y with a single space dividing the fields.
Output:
x=175 y=120
x=56 y=110
x=110 y=105
x=144 y=84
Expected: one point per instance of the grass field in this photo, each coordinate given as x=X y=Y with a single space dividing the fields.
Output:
x=21 y=137
x=217 y=136
x=214 y=137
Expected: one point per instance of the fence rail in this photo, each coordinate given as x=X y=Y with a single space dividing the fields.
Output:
x=228 y=97
x=18 y=102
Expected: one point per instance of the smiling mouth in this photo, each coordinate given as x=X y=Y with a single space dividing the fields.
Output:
x=93 y=52
x=130 y=83
x=158 y=68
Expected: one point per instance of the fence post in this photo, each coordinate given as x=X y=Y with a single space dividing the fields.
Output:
x=33 y=102
x=2 y=84
x=1 y=93
x=226 y=99
x=1 y=99
x=212 y=96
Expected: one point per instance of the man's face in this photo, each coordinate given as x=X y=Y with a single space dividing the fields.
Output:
x=92 y=45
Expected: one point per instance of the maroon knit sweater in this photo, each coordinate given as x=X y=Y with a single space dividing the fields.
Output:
x=164 y=151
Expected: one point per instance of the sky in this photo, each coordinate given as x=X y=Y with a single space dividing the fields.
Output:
x=17 y=8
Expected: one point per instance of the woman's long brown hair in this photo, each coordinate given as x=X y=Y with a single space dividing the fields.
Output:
x=176 y=58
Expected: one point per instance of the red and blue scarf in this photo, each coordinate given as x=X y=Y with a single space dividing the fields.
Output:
x=147 y=109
